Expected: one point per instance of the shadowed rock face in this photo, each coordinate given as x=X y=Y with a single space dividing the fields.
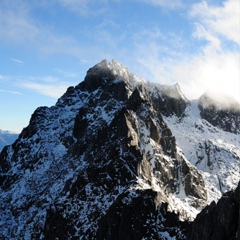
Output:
x=219 y=221
x=100 y=164
x=139 y=214
x=169 y=100
x=222 y=112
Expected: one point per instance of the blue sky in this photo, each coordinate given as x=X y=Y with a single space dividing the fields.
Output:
x=47 y=46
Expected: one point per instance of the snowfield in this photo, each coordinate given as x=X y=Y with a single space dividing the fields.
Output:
x=214 y=152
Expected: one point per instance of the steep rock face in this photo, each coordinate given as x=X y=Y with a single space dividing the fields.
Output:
x=221 y=111
x=219 y=221
x=139 y=214
x=77 y=160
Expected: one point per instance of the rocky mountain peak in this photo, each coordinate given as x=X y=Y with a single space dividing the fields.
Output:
x=174 y=92
x=108 y=73
x=103 y=163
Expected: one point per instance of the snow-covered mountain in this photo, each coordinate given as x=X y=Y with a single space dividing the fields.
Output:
x=6 y=138
x=119 y=158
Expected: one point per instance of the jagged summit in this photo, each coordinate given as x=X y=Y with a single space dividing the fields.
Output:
x=110 y=75
x=112 y=71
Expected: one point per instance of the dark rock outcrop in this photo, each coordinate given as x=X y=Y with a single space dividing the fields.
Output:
x=169 y=100
x=219 y=221
x=139 y=214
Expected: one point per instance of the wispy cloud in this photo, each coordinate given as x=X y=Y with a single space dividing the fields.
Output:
x=15 y=25
x=17 y=61
x=49 y=86
x=173 y=4
x=202 y=33
x=11 y=92
x=18 y=27
x=218 y=21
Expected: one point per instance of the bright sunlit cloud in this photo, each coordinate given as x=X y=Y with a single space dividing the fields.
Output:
x=214 y=65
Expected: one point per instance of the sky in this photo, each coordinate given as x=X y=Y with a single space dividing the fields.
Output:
x=47 y=46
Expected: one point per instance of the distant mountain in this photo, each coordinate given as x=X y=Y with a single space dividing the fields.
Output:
x=121 y=158
x=7 y=138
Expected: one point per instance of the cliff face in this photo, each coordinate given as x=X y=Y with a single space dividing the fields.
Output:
x=103 y=163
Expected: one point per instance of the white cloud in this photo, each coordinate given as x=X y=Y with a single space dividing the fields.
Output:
x=213 y=65
x=221 y=21
x=11 y=92
x=195 y=74
x=219 y=72
x=202 y=33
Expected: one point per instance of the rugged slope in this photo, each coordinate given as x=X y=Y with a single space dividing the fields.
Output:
x=214 y=151
x=104 y=163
